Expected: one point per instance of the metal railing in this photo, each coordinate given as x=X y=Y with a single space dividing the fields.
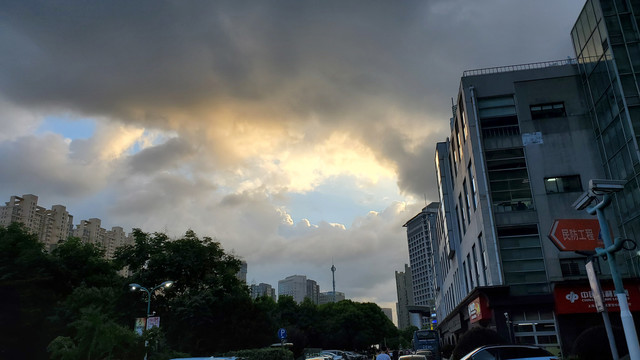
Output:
x=502 y=69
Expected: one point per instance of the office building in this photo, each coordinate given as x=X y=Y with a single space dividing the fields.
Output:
x=606 y=43
x=329 y=296
x=519 y=154
x=313 y=291
x=421 y=229
x=298 y=287
x=242 y=273
x=404 y=290
x=263 y=289
x=388 y=312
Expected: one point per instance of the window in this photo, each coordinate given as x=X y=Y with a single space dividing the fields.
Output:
x=545 y=111
x=474 y=190
x=473 y=282
x=463 y=119
x=466 y=200
x=563 y=184
x=498 y=116
x=483 y=258
x=522 y=259
x=462 y=218
x=509 y=179
x=573 y=267
x=476 y=266
x=466 y=278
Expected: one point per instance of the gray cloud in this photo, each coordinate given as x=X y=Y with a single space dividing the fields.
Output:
x=209 y=71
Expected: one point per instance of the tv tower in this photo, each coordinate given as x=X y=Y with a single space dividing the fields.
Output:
x=333 y=272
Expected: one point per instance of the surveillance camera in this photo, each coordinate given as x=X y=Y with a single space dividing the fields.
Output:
x=604 y=186
x=583 y=201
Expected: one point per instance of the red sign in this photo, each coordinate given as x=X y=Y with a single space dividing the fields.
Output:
x=478 y=310
x=576 y=234
x=579 y=299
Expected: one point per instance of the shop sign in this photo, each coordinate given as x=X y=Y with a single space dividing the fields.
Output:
x=580 y=299
x=478 y=310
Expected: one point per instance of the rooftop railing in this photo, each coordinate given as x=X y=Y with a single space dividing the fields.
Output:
x=503 y=69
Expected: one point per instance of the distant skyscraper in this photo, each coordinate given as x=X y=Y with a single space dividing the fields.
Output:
x=404 y=289
x=329 y=296
x=242 y=274
x=297 y=287
x=421 y=232
x=388 y=312
x=313 y=290
x=263 y=289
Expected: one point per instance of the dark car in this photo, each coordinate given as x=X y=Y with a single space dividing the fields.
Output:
x=509 y=352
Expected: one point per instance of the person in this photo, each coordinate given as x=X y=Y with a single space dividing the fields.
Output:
x=384 y=354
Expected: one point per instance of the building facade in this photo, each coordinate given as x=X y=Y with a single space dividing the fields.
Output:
x=606 y=43
x=404 y=290
x=519 y=154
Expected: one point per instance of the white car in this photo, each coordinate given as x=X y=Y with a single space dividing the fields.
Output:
x=509 y=352
x=332 y=354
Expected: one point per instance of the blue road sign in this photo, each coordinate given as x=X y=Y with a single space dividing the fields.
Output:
x=282 y=333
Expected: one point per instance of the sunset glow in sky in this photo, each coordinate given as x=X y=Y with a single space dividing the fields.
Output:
x=296 y=133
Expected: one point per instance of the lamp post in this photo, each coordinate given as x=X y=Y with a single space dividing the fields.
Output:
x=135 y=287
x=606 y=188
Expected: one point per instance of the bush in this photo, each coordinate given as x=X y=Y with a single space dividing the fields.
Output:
x=473 y=339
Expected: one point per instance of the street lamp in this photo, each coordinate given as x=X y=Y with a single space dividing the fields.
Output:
x=606 y=188
x=135 y=287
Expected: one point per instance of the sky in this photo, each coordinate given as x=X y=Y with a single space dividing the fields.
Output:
x=296 y=133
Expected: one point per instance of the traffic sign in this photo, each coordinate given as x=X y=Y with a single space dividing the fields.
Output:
x=576 y=234
x=282 y=333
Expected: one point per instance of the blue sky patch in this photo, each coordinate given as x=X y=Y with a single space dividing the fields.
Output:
x=72 y=128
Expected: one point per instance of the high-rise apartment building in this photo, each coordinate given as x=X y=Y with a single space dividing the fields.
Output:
x=51 y=226
x=404 y=290
x=421 y=229
x=520 y=152
x=606 y=41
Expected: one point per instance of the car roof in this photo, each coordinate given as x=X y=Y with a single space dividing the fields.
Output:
x=508 y=346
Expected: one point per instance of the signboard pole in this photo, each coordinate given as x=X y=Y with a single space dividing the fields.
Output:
x=597 y=298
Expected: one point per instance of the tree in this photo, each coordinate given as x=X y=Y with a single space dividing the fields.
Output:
x=208 y=309
x=27 y=290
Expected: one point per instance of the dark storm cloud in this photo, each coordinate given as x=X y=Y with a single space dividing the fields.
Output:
x=117 y=56
x=187 y=65
x=161 y=157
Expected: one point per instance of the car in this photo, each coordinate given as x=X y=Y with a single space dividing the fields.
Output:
x=412 y=357
x=334 y=355
x=509 y=352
